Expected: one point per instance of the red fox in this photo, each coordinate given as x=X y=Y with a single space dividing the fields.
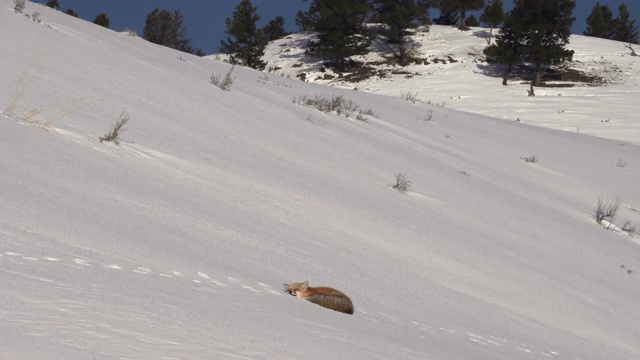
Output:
x=323 y=296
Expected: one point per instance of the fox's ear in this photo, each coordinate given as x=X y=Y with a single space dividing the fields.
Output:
x=304 y=284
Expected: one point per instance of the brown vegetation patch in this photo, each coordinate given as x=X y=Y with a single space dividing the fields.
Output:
x=359 y=74
x=573 y=75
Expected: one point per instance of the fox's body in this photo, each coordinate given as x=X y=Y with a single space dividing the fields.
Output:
x=323 y=296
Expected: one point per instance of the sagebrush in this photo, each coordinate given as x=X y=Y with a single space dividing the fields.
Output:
x=19 y=5
x=606 y=210
x=403 y=184
x=335 y=103
x=223 y=83
x=118 y=129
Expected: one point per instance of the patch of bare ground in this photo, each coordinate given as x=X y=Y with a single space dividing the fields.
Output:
x=573 y=76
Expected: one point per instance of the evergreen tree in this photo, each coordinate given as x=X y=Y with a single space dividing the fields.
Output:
x=600 y=22
x=493 y=15
x=306 y=19
x=459 y=8
x=624 y=29
x=340 y=25
x=274 y=30
x=447 y=17
x=71 y=12
x=102 y=19
x=165 y=28
x=472 y=21
x=248 y=43
x=54 y=4
x=507 y=47
x=547 y=27
x=401 y=17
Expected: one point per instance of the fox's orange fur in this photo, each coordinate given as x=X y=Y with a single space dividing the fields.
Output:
x=323 y=296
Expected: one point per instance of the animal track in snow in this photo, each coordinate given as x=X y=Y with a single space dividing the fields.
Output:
x=81 y=262
x=199 y=277
x=204 y=279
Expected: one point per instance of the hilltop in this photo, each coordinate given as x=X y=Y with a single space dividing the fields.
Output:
x=451 y=70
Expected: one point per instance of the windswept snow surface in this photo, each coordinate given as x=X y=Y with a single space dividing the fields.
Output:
x=175 y=243
x=456 y=76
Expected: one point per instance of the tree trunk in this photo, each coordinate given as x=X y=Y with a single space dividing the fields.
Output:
x=490 y=35
x=340 y=64
x=403 y=54
x=463 y=23
x=506 y=73
x=538 y=76
x=531 y=92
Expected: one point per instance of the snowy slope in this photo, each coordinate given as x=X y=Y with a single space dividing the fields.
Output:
x=175 y=243
x=456 y=75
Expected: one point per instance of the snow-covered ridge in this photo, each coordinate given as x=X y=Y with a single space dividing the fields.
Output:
x=452 y=71
x=175 y=243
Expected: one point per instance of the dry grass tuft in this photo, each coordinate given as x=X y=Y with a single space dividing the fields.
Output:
x=118 y=128
x=21 y=88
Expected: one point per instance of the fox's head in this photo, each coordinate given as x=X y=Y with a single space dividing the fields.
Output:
x=294 y=288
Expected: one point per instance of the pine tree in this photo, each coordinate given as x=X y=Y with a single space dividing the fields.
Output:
x=306 y=20
x=447 y=17
x=547 y=27
x=600 y=22
x=507 y=47
x=54 y=4
x=102 y=19
x=472 y=21
x=165 y=28
x=460 y=7
x=401 y=17
x=624 y=29
x=493 y=15
x=71 y=12
x=340 y=26
x=248 y=43
x=275 y=29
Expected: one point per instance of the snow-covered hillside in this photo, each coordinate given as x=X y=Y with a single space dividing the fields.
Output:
x=174 y=244
x=452 y=72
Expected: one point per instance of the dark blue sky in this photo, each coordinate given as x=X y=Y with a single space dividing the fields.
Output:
x=205 y=18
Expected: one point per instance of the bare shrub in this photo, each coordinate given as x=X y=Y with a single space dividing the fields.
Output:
x=19 y=6
x=21 y=88
x=621 y=164
x=130 y=32
x=402 y=183
x=223 y=84
x=428 y=117
x=118 y=128
x=34 y=17
x=606 y=211
x=629 y=228
x=335 y=103
x=409 y=96
x=633 y=52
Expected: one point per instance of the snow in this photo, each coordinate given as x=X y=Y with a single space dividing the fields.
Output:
x=175 y=243
x=469 y=84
